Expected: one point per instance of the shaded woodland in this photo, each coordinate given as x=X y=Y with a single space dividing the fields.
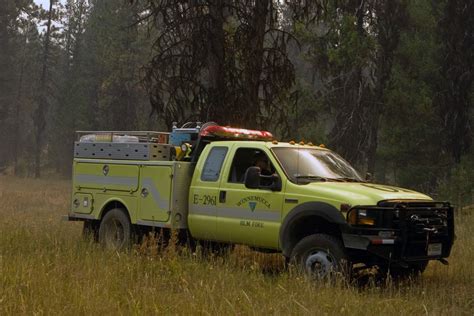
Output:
x=387 y=84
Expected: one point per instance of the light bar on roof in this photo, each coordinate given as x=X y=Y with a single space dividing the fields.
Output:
x=235 y=133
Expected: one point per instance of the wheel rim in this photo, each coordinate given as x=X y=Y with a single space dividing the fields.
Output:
x=115 y=235
x=319 y=263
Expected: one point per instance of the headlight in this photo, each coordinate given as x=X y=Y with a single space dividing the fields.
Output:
x=360 y=217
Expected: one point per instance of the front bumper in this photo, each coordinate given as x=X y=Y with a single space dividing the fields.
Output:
x=404 y=232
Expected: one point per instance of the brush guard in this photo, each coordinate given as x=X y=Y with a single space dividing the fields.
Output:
x=404 y=231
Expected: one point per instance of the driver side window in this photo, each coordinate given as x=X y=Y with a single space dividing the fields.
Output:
x=245 y=158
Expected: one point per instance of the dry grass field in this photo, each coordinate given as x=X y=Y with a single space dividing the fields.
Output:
x=46 y=268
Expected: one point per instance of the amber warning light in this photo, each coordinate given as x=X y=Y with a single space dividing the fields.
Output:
x=235 y=133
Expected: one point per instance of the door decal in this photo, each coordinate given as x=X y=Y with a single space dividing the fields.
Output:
x=254 y=199
x=252 y=206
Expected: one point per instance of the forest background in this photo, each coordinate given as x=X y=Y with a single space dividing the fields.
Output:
x=387 y=84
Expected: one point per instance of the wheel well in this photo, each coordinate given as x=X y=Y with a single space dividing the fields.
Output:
x=112 y=205
x=306 y=226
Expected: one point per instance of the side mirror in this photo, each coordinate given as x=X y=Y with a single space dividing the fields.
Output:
x=252 y=178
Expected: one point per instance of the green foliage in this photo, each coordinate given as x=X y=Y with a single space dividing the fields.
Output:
x=458 y=187
x=336 y=45
x=309 y=120
x=409 y=146
x=349 y=48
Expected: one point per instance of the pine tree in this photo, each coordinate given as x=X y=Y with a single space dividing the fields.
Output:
x=214 y=56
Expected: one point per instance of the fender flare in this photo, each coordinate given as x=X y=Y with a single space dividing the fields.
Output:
x=109 y=201
x=324 y=210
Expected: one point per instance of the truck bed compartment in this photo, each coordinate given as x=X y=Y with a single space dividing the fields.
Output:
x=104 y=176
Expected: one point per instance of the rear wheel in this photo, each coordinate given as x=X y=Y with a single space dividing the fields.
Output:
x=320 y=256
x=115 y=232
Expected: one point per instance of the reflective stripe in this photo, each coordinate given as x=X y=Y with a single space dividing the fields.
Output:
x=150 y=186
x=203 y=210
x=383 y=241
x=237 y=213
x=111 y=180
x=125 y=181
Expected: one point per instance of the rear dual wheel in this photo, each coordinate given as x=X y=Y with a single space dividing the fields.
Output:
x=115 y=231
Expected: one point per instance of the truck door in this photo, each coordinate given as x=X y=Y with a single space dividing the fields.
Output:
x=248 y=216
x=204 y=191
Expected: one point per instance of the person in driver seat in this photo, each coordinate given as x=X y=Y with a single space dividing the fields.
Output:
x=261 y=161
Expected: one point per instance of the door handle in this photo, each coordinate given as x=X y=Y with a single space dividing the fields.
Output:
x=222 y=195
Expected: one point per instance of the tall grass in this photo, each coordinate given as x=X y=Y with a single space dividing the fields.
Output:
x=46 y=268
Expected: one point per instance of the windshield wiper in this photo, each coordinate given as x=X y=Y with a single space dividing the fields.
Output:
x=319 y=178
x=314 y=178
x=349 y=179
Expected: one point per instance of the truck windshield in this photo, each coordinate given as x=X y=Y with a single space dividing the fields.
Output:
x=303 y=165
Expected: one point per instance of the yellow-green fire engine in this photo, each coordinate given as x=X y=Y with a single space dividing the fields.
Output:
x=225 y=185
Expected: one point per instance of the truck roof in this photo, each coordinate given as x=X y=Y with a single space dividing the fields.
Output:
x=273 y=144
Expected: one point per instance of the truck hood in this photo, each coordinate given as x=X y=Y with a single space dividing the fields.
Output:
x=356 y=193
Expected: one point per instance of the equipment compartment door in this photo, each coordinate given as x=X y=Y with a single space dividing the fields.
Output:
x=105 y=176
x=155 y=193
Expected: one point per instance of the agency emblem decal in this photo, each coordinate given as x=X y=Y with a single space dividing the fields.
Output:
x=252 y=206
x=252 y=202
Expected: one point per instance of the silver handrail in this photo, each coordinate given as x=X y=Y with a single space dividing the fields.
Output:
x=143 y=136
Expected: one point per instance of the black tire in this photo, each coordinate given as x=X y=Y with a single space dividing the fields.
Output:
x=115 y=232
x=320 y=256
x=90 y=231
x=414 y=270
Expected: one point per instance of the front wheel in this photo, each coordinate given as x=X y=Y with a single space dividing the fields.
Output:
x=115 y=232
x=320 y=256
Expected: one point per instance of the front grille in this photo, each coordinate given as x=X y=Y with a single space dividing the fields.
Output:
x=416 y=224
x=422 y=224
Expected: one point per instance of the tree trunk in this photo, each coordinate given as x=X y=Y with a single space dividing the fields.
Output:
x=16 y=127
x=457 y=34
x=43 y=103
x=216 y=61
x=250 y=114
x=391 y=16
